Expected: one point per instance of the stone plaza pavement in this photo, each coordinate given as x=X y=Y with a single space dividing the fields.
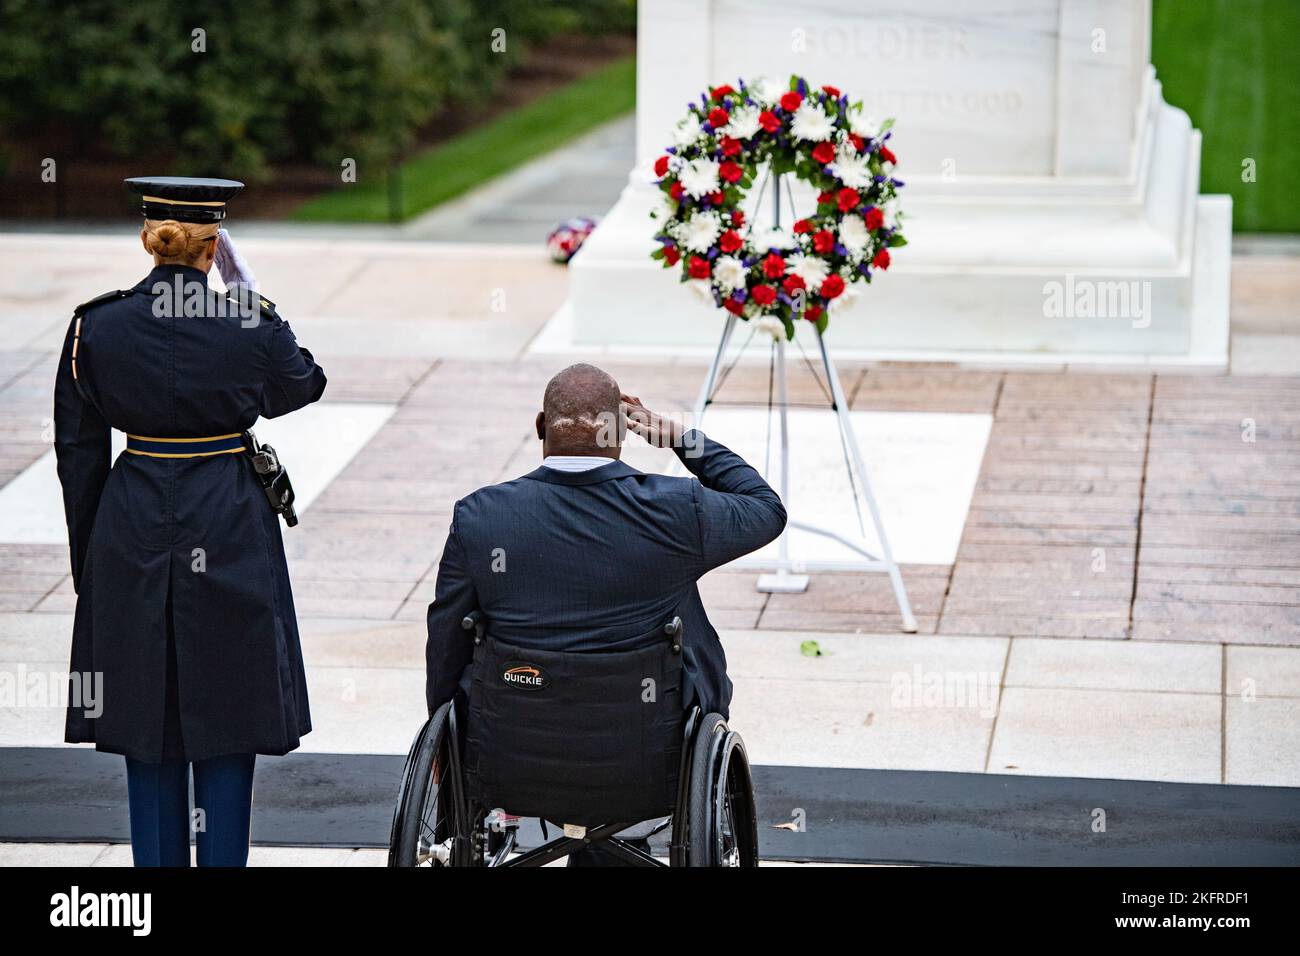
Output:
x=1127 y=582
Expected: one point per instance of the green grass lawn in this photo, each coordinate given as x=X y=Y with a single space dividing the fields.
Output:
x=457 y=165
x=1234 y=67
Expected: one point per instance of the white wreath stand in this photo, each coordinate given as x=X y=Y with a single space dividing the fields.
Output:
x=788 y=577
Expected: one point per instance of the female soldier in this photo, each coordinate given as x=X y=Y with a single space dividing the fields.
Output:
x=184 y=610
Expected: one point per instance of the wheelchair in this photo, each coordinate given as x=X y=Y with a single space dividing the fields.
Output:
x=597 y=744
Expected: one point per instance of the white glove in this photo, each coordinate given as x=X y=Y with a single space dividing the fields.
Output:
x=234 y=270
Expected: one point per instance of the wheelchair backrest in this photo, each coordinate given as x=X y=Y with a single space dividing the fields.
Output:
x=576 y=737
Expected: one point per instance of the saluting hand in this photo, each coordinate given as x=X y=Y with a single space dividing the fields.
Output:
x=658 y=430
x=231 y=265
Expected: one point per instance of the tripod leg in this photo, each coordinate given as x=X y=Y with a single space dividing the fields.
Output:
x=783 y=582
x=711 y=380
x=846 y=426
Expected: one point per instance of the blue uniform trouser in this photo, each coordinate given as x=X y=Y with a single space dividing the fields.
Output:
x=159 y=797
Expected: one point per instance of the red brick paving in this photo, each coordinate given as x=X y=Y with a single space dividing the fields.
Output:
x=1107 y=506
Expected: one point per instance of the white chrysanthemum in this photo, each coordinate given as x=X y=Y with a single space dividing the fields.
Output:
x=665 y=209
x=699 y=232
x=845 y=298
x=765 y=90
x=851 y=168
x=810 y=122
x=744 y=123
x=891 y=213
x=854 y=236
x=729 y=272
x=699 y=177
x=770 y=237
x=771 y=325
x=812 y=269
x=868 y=127
x=701 y=287
x=687 y=131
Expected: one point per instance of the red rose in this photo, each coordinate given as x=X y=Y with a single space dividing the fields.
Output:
x=769 y=121
x=875 y=218
x=773 y=266
x=671 y=255
x=737 y=218
x=823 y=152
x=676 y=191
x=720 y=91
x=793 y=284
x=734 y=306
x=730 y=171
x=717 y=198
x=825 y=197
x=847 y=198
x=832 y=287
x=832 y=91
x=887 y=156
x=661 y=166
x=812 y=313
x=699 y=268
x=882 y=259
x=730 y=241
x=803 y=225
x=764 y=294
x=730 y=147
x=790 y=101
x=824 y=241
x=858 y=142
x=718 y=117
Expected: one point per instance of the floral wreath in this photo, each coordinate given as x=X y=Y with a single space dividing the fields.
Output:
x=821 y=138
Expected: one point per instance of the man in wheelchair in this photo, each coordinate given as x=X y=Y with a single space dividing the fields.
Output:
x=569 y=655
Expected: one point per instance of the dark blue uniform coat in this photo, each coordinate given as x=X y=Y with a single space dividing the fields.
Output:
x=596 y=560
x=179 y=561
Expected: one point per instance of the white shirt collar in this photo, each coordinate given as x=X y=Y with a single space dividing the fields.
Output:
x=574 y=462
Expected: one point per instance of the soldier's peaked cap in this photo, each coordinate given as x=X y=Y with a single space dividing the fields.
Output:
x=183 y=198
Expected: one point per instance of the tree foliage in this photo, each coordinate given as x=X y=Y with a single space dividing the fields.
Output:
x=284 y=81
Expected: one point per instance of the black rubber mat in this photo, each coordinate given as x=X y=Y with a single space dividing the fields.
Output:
x=888 y=816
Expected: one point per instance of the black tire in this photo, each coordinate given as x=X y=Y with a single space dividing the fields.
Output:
x=430 y=825
x=722 y=827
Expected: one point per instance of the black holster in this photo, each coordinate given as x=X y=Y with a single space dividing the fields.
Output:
x=272 y=476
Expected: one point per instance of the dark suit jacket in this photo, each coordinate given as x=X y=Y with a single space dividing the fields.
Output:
x=573 y=561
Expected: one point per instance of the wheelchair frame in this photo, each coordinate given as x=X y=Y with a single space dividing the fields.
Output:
x=714 y=790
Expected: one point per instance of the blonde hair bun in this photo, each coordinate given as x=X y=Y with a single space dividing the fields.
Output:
x=178 y=242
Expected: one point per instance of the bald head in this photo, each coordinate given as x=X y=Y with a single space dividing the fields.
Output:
x=581 y=413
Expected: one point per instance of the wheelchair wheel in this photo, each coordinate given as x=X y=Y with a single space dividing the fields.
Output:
x=723 y=823
x=431 y=825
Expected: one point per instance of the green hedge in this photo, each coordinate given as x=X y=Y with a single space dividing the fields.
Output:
x=309 y=81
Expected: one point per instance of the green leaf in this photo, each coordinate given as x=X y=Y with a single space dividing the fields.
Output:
x=886 y=126
x=822 y=322
x=810 y=649
x=897 y=240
